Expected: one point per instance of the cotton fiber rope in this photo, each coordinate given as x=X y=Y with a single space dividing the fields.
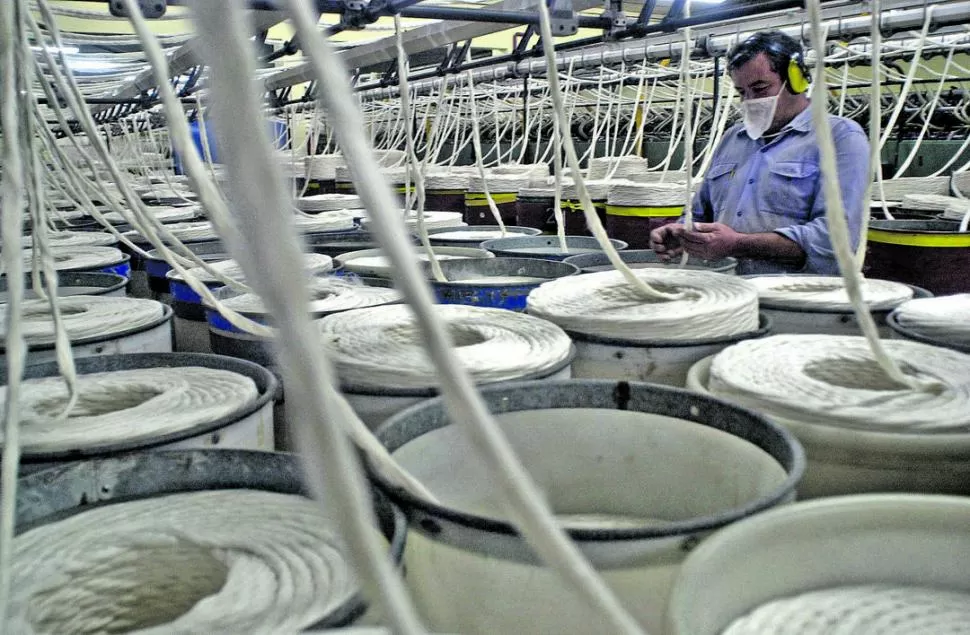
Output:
x=220 y=562
x=323 y=167
x=328 y=202
x=533 y=517
x=645 y=194
x=836 y=217
x=313 y=264
x=945 y=318
x=337 y=220
x=193 y=231
x=432 y=220
x=381 y=347
x=446 y=180
x=598 y=190
x=877 y=609
x=480 y=235
x=327 y=295
x=603 y=304
x=826 y=292
x=835 y=381
x=74 y=258
x=85 y=317
x=898 y=189
x=929 y=202
x=128 y=406
x=68 y=239
x=161 y=214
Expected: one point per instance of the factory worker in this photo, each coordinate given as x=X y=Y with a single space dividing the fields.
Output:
x=761 y=200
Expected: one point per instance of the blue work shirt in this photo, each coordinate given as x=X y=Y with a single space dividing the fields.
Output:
x=775 y=185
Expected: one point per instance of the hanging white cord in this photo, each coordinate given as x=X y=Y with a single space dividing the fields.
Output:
x=926 y=122
x=462 y=403
x=12 y=184
x=835 y=216
x=688 y=133
x=414 y=165
x=269 y=252
x=910 y=74
x=592 y=219
x=476 y=138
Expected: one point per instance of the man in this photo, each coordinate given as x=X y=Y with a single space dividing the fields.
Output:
x=761 y=200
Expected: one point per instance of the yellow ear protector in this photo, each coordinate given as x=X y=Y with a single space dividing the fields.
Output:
x=797 y=78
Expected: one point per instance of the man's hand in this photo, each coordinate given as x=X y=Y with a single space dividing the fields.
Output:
x=666 y=241
x=711 y=241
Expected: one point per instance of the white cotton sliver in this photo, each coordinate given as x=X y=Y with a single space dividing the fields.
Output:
x=835 y=381
x=604 y=304
x=85 y=317
x=218 y=562
x=314 y=264
x=877 y=609
x=381 y=347
x=945 y=318
x=826 y=292
x=78 y=258
x=128 y=406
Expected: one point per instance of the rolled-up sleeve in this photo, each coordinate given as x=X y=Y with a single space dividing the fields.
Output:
x=852 y=156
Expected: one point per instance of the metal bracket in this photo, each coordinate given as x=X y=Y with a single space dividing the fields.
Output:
x=618 y=19
x=563 y=18
x=355 y=15
x=149 y=8
x=675 y=12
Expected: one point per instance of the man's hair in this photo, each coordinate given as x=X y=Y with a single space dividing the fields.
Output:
x=777 y=47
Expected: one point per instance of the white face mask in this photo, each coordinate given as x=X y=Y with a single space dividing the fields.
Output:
x=758 y=114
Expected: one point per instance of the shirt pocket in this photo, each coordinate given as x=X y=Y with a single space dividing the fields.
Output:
x=719 y=178
x=788 y=189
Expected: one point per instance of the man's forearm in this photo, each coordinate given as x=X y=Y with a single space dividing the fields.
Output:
x=769 y=246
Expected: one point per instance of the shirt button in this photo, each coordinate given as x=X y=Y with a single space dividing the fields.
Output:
x=739 y=213
x=750 y=181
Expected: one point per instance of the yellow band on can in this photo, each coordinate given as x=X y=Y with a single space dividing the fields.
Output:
x=920 y=239
x=477 y=199
x=644 y=212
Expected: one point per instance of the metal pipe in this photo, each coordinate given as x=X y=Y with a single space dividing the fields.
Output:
x=493 y=15
x=719 y=38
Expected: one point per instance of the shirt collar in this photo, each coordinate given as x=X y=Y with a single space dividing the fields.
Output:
x=801 y=123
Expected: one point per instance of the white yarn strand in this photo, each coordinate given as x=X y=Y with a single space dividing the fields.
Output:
x=269 y=251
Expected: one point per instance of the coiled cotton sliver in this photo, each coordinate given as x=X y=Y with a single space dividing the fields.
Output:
x=897 y=189
x=835 y=381
x=945 y=318
x=85 y=317
x=432 y=220
x=446 y=181
x=128 y=406
x=77 y=258
x=73 y=239
x=929 y=202
x=328 y=295
x=646 y=194
x=328 y=202
x=216 y=562
x=313 y=264
x=161 y=214
x=381 y=347
x=202 y=230
x=604 y=305
x=598 y=190
x=326 y=221
x=956 y=209
x=855 y=610
x=826 y=292
x=323 y=167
